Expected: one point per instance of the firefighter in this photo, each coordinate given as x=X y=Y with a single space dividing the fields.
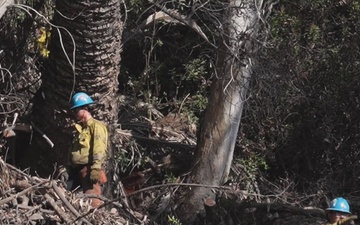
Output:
x=339 y=210
x=88 y=150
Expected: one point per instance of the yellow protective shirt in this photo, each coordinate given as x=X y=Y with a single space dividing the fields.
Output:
x=89 y=144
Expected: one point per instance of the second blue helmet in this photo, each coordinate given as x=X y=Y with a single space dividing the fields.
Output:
x=340 y=205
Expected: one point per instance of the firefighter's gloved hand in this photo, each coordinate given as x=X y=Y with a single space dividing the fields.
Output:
x=95 y=175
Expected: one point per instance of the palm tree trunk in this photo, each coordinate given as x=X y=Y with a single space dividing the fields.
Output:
x=84 y=56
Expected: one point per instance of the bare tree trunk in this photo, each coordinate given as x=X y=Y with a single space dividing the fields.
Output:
x=222 y=117
x=91 y=65
x=3 y=6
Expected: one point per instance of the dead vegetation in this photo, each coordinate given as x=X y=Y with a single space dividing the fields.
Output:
x=152 y=180
x=29 y=199
x=152 y=164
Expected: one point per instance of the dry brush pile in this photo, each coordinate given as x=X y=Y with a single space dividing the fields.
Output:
x=26 y=199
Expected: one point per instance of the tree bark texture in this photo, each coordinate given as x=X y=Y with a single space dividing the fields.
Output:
x=84 y=56
x=222 y=117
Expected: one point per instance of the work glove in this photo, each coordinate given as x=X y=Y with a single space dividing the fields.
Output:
x=95 y=175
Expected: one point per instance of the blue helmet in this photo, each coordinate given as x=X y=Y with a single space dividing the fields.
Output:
x=340 y=205
x=80 y=99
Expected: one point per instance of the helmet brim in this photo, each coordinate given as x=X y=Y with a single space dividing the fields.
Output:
x=338 y=210
x=81 y=105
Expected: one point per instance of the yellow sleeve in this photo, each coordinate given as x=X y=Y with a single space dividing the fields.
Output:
x=100 y=141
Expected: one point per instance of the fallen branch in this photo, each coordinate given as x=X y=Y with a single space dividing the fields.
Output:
x=67 y=203
x=18 y=171
x=127 y=210
x=15 y=196
x=57 y=209
x=156 y=141
x=311 y=212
